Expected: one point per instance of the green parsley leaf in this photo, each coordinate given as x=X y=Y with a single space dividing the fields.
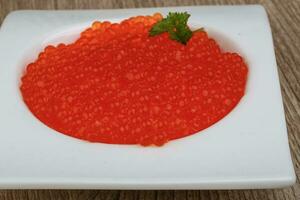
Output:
x=176 y=25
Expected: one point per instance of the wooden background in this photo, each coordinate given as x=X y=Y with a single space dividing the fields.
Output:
x=285 y=22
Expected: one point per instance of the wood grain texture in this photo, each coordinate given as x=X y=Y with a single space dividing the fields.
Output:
x=285 y=20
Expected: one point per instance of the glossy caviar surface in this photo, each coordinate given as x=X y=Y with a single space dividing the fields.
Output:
x=118 y=85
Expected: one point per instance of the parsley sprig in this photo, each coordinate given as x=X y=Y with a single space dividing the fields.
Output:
x=176 y=25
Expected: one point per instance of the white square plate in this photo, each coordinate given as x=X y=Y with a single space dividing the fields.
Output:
x=247 y=149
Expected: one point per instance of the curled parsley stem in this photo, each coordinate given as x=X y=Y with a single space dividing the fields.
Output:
x=176 y=25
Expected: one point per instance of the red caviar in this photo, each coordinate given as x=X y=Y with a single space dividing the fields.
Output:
x=116 y=84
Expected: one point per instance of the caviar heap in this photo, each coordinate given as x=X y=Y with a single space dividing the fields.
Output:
x=116 y=84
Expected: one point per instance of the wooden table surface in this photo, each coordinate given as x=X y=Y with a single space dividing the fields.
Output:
x=285 y=23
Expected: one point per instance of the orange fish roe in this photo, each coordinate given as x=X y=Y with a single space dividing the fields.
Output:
x=116 y=84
